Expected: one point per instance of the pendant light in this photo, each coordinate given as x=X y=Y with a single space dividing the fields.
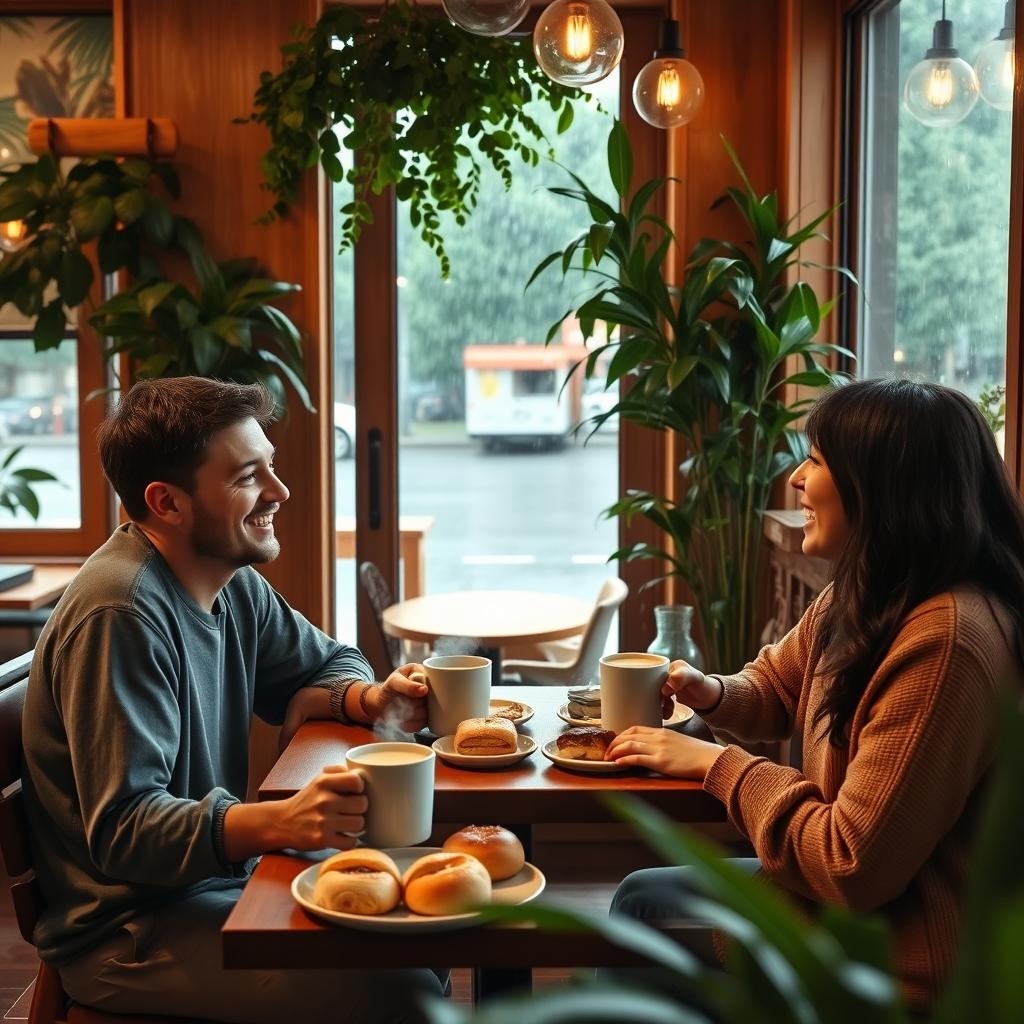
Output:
x=578 y=42
x=486 y=17
x=943 y=88
x=12 y=234
x=995 y=65
x=669 y=90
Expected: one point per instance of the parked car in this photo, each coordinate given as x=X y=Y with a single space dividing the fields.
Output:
x=595 y=401
x=344 y=430
x=36 y=414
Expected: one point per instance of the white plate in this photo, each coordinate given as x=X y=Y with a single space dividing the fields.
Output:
x=520 y=888
x=550 y=751
x=524 y=717
x=445 y=748
x=681 y=714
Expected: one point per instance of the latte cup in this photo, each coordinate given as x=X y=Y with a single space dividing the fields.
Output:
x=399 y=787
x=631 y=690
x=458 y=687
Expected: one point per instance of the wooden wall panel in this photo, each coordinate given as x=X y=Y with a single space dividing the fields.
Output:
x=198 y=62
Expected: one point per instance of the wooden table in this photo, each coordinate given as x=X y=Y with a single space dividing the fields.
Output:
x=412 y=530
x=491 y=619
x=46 y=586
x=267 y=929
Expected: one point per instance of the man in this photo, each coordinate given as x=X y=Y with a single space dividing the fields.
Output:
x=137 y=720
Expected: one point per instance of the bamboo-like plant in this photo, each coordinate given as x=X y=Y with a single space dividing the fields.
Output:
x=710 y=361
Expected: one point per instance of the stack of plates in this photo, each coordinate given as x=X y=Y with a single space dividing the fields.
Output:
x=584 y=703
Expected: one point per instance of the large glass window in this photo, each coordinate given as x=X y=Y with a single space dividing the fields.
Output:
x=487 y=448
x=934 y=209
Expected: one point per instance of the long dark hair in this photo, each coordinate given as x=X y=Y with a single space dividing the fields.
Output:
x=930 y=505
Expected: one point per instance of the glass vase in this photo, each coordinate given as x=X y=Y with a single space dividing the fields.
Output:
x=674 y=641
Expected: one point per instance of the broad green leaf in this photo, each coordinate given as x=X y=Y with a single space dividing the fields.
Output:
x=206 y=349
x=74 y=278
x=151 y=297
x=50 y=326
x=620 y=159
x=90 y=216
x=130 y=206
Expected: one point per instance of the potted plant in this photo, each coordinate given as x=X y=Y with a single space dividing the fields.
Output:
x=709 y=360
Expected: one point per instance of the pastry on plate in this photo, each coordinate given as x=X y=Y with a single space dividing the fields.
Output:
x=486 y=736
x=584 y=743
x=360 y=881
x=499 y=850
x=445 y=883
x=512 y=711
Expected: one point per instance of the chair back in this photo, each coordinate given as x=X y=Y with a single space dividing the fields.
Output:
x=377 y=591
x=611 y=595
x=14 y=844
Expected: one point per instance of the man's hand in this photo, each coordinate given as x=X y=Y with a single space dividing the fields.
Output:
x=324 y=814
x=690 y=687
x=400 y=700
x=328 y=812
x=665 y=751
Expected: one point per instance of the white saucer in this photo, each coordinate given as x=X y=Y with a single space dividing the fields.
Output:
x=550 y=751
x=524 y=717
x=522 y=887
x=445 y=749
x=682 y=713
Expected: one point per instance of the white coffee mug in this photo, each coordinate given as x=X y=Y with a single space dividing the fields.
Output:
x=459 y=687
x=399 y=788
x=631 y=690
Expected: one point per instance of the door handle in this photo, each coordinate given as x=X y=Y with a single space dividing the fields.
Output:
x=375 y=441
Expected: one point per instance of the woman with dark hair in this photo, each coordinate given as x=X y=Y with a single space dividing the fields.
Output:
x=888 y=679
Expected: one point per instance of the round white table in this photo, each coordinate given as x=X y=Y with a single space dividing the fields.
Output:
x=488 y=620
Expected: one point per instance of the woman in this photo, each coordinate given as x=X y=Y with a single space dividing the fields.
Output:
x=889 y=678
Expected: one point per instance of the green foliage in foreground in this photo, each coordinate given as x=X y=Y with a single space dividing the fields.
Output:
x=16 y=485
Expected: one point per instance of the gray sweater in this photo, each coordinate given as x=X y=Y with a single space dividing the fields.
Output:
x=136 y=733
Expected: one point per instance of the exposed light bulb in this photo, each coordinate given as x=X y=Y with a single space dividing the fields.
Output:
x=996 y=65
x=579 y=39
x=939 y=88
x=578 y=42
x=669 y=90
x=943 y=88
x=12 y=234
x=667 y=93
x=486 y=17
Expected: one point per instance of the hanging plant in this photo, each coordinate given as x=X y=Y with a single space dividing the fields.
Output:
x=421 y=101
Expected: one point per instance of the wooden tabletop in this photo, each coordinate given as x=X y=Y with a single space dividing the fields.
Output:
x=267 y=929
x=533 y=792
x=47 y=584
x=492 y=618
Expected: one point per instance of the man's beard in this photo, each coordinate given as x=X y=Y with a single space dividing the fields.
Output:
x=212 y=538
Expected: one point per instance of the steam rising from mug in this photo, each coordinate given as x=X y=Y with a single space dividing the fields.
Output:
x=455 y=645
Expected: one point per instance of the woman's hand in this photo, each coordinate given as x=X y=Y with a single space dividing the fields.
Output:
x=689 y=686
x=400 y=700
x=664 y=750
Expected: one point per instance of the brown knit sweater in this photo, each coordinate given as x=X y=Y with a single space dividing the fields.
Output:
x=886 y=825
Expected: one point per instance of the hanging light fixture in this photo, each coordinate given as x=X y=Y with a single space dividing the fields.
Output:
x=995 y=65
x=578 y=42
x=943 y=88
x=12 y=234
x=486 y=17
x=669 y=90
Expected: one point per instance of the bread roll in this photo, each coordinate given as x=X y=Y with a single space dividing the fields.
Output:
x=486 y=736
x=584 y=743
x=358 y=881
x=445 y=883
x=495 y=847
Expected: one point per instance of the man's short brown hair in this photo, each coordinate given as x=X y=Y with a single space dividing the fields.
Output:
x=160 y=430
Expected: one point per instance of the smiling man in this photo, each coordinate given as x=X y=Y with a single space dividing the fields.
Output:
x=137 y=717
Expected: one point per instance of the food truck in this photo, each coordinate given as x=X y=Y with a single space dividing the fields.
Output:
x=514 y=394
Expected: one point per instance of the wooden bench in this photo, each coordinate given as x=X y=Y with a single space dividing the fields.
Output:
x=411 y=532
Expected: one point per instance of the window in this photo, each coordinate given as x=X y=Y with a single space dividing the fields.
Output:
x=934 y=203
x=534 y=382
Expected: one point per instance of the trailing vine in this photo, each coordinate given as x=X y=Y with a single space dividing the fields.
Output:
x=419 y=100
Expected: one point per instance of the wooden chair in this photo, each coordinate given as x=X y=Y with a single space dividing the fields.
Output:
x=50 y=1004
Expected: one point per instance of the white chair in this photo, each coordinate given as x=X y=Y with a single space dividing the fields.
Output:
x=581 y=666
